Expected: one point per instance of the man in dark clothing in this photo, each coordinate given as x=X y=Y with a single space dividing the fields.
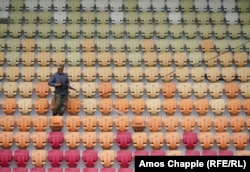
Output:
x=60 y=81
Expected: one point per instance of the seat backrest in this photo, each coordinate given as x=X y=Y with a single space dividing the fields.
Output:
x=237 y=123
x=123 y=139
x=188 y=123
x=39 y=123
x=106 y=140
x=72 y=139
x=122 y=123
x=23 y=122
x=39 y=139
x=154 y=123
x=7 y=122
x=73 y=106
x=156 y=140
x=41 y=105
x=206 y=139
x=139 y=140
x=105 y=123
x=138 y=123
x=89 y=123
x=25 y=105
x=173 y=140
x=38 y=157
x=10 y=89
x=201 y=106
x=73 y=123
x=9 y=105
x=204 y=123
x=138 y=105
x=22 y=139
x=41 y=89
x=107 y=158
x=220 y=123
x=72 y=157
x=89 y=139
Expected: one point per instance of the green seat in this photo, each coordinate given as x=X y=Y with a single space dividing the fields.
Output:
x=190 y=30
x=16 y=17
x=221 y=45
x=13 y=58
x=244 y=18
x=74 y=58
x=243 y=6
x=132 y=30
x=73 y=45
x=74 y=5
x=236 y=45
x=220 y=31
x=117 y=30
x=195 y=58
x=203 y=18
x=131 y=18
x=102 y=45
x=3 y=30
x=234 y=31
x=217 y=18
x=147 y=30
x=74 y=30
x=130 y=5
x=17 y=5
x=59 y=30
x=205 y=31
x=44 y=30
x=88 y=30
x=189 y=17
x=135 y=59
x=162 y=45
x=15 y=30
x=102 y=17
x=192 y=45
x=13 y=44
x=44 y=17
x=176 y=30
x=43 y=45
x=30 y=16
x=58 y=45
x=161 y=30
x=118 y=45
x=146 y=17
x=2 y=44
x=186 y=5
x=132 y=45
x=88 y=17
x=74 y=17
x=102 y=30
x=160 y=17
x=177 y=45
x=246 y=31
x=29 y=30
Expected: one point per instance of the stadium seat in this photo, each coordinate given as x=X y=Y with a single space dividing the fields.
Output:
x=138 y=105
x=138 y=123
x=20 y=169
x=22 y=139
x=7 y=122
x=190 y=139
x=220 y=123
x=218 y=106
x=209 y=153
x=215 y=90
x=55 y=169
x=246 y=106
x=200 y=90
x=72 y=139
x=124 y=158
x=184 y=89
x=73 y=106
x=240 y=140
x=73 y=123
x=225 y=153
x=90 y=158
x=56 y=123
x=151 y=74
x=234 y=106
x=107 y=170
x=72 y=169
x=89 y=74
x=23 y=122
x=105 y=123
x=21 y=157
x=56 y=139
x=107 y=158
x=125 y=170
x=55 y=157
x=188 y=123
x=186 y=106
x=105 y=89
x=72 y=157
x=90 y=170
x=237 y=123
x=156 y=140
x=12 y=73
x=9 y=105
x=204 y=123
x=41 y=105
x=169 y=89
x=105 y=74
x=192 y=153
x=180 y=59
x=10 y=89
x=154 y=123
x=123 y=139
x=89 y=140
x=173 y=140
x=171 y=123
x=122 y=123
x=150 y=58
x=122 y=105
x=139 y=140
x=38 y=158
x=33 y=169
x=106 y=106
x=206 y=140
x=39 y=139
x=39 y=123
x=136 y=75
x=153 y=106
x=28 y=58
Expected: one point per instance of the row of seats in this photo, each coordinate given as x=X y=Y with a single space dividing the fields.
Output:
x=127 y=5
x=137 y=105
x=41 y=123
x=120 y=45
x=120 y=59
x=136 y=89
x=161 y=31
x=135 y=74
x=127 y=17
x=124 y=158
x=139 y=140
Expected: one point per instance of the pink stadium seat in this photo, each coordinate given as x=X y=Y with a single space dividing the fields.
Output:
x=21 y=157
x=72 y=157
x=55 y=169
x=157 y=153
x=225 y=153
x=124 y=158
x=55 y=157
x=125 y=170
x=37 y=170
x=190 y=139
x=209 y=153
x=56 y=139
x=123 y=139
x=141 y=153
x=5 y=169
x=192 y=153
x=72 y=169
x=107 y=170
x=20 y=169
x=90 y=170
x=5 y=157
x=90 y=157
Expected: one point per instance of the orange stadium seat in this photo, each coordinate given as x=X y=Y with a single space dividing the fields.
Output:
x=173 y=140
x=206 y=140
x=42 y=89
x=154 y=123
x=237 y=123
x=201 y=106
x=220 y=123
x=138 y=123
x=234 y=106
x=22 y=139
x=138 y=105
x=186 y=106
x=169 y=106
x=105 y=123
x=41 y=105
x=246 y=106
x=171 y=123
x=89 y=58
x=74 y=106
x=165 y=59
x=222 y=140
x=28 y=44
x=207 y=45
x=6 y=139
x=156 y=140
x=89 y=139
x=23 y=122
x=204 y=123
x=240 y=140
x=73 y=123
x=7 y=122
x=122 y=123
x=72 y=139
x=188 y=123
x=39 y=123
x=9 y=105
x=107 y=158
x=43 y=58
x=231 y=89
x=106 y=106
x=56 y=123
x=139 y=140
x=169 y=89
x=106 y=140
x=248 y=122
x=105 y=89
x=104 y=58
x=89 y=123
x=38 y=157
x=119 y=59
x=121 y=105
